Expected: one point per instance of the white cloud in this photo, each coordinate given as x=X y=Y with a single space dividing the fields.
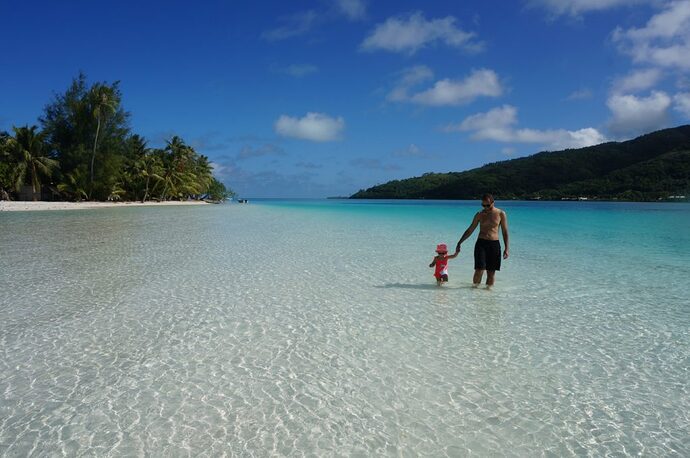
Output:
x=499 y=125
x=353 y=9
x=639 y=80
x=316 y=127
x=479 y=83
x=410 y=33
x=295 y=25
x=681 y=103
x=664 y=41
x=634 y=115
x=409 y=77
x=577 y=7
x=299 y=70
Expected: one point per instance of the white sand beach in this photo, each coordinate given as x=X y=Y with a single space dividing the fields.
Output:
x=35 y=206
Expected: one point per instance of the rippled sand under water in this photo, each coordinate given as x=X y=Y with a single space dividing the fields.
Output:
x=291 y=329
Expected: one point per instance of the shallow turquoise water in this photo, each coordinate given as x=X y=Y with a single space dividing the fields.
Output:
x=315 y=328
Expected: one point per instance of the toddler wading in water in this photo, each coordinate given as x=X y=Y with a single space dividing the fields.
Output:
x=441 y=263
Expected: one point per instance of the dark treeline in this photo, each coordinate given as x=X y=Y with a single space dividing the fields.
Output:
x=85 y=150
x=651 y=167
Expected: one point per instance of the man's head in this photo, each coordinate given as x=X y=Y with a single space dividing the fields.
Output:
x=487 y=201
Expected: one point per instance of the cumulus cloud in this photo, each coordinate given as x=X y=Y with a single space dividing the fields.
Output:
x=409 y=78
x=499 y=125
x=633 y=115
x=639 y=80
x=479 y=83
x=353 y=9
x=681 y=103
x=412 y=32
x=292 y=26
x=664 y=41
x=578 y=7
x=316 y=127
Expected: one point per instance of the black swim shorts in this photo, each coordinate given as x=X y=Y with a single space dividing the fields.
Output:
x=487 y=254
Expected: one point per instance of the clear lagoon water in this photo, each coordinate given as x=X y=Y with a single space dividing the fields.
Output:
x=316 y=328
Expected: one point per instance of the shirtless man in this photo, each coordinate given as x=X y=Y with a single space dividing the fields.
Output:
x=487 y=250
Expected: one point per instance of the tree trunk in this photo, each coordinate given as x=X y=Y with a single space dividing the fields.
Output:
x=146 y=192
x=93 y=155
x=34 y=179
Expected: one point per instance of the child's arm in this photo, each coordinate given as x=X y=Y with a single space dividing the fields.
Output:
x=433 y=263
x=454 y=255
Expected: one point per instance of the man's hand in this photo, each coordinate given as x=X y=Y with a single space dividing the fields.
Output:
x=457 y=248
x=506 y=253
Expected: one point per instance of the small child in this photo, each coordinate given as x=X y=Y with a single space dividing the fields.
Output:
x=441 y=263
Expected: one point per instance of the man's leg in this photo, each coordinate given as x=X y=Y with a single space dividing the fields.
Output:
x=490 y=278
x=477 y=279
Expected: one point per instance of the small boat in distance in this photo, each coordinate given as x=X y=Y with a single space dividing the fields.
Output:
x=242 y=201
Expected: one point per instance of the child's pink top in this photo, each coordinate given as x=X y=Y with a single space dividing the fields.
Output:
x=441 y=267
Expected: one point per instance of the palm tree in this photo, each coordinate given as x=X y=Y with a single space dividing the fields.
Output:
x=103 y=102
x=26 y=149
x=179 y=177
x=75 y=184
x=149 y=166
x=6 y=167
x=204 y=174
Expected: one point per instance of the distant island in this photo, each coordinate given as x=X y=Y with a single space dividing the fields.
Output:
x=653 y=167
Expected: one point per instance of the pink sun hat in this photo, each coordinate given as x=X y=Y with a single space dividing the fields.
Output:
x=441 y=248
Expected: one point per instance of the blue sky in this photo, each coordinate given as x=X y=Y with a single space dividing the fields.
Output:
x=323 y=98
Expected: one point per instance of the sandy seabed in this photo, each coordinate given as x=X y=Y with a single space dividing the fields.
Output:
x=32 y=206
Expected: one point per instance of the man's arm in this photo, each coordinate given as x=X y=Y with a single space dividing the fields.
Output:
x=468 y=232
x=504 y=229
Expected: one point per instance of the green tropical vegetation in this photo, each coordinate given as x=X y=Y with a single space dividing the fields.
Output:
x=655 y=166
x=85 y=150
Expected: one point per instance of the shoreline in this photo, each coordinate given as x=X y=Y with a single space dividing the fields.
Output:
x=13 y=205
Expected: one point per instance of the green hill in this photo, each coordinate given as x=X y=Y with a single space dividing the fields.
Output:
x=650 y=167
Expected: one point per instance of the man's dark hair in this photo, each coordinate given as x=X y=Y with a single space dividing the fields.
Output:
x=488 y=197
